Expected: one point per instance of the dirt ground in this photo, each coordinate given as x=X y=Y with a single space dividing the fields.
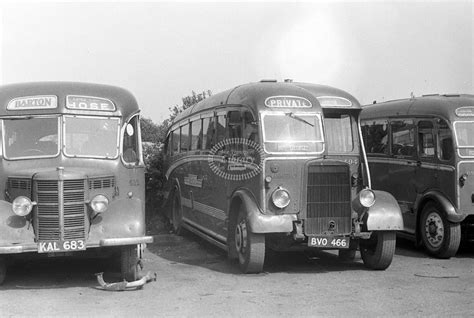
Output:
x=196 y=279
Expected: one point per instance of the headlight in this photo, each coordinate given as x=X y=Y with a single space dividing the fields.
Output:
x=367 y=198
x=22 y=206
x=281 y=198
x=99 y=203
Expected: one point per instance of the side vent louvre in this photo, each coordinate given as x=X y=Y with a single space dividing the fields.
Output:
x=101 y=183
x=19 y=183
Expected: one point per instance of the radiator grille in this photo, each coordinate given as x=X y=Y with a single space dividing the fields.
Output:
x=60 y=210
x=328 y=199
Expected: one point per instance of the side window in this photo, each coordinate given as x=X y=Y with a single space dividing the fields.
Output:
x=220 y=128
x=445 y=141
x=426 y=139
x=403 y=138
x=184 y=140
x=196 y=129
x=131 y=153
x=250 y=127
x=175 y=141
x=375 y=133
x=207 y=132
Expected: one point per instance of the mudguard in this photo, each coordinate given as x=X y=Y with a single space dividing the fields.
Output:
x=264 y=223
x=14 y=229
x=385 y=214
x=451 y=213
x=123 y=218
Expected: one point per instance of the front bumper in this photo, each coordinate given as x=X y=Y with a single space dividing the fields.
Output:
x=33 y=247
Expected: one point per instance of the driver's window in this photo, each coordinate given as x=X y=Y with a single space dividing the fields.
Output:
x=131 y=152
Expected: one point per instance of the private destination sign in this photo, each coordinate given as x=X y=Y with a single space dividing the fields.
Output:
x=287 y=101
x=33 y=102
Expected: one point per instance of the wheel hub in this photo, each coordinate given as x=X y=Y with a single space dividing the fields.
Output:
x=434 y=229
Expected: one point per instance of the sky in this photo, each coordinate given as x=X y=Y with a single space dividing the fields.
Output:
x=161 y=51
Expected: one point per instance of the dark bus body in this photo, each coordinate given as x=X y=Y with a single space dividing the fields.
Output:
x=71 y=173
x=277 y=165
x=422 y=151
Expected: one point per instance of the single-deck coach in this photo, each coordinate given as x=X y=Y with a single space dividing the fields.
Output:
x=71 y=173
x=278 y=165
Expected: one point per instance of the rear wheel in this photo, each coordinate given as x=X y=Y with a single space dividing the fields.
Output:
x=377 y=252
x=3 y=269
x=177 y=215
x=129 y=262
x=250 y=246
x=440 y=237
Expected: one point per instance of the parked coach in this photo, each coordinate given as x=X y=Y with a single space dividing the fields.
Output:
x=422 y=151
x=71 y=173
x=277 y=165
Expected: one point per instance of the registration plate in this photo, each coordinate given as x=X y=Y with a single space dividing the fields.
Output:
x=328 y=242
x=61 y=246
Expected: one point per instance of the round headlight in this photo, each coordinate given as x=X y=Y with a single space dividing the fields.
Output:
x=367 y=198
x=22 y=206
x=99 y=203
x=281 y=198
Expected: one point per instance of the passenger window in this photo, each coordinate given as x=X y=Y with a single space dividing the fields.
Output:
x=130 y=141
x=220 y=128
x=196 y=129
x=184 y=141
x=207 y=132
x=235 y=124
x=375 y=135
x=445 y=141
x=403 y=138
x=426 y=146
x=175 y=141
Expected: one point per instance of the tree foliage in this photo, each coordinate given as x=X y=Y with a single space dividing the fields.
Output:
x=154 y=136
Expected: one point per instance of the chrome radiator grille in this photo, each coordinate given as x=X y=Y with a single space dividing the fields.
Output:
x=60 y=209
x=328 y=199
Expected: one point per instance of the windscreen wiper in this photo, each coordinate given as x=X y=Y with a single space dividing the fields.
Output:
x=291 y=115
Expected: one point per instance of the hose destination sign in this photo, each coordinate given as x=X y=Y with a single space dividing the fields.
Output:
x=89 y=103
x=33 y=102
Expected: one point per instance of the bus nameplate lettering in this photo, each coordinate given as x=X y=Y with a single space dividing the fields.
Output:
x=287 y=102
x=465 y=111
x=89 y=103
x=33 y=102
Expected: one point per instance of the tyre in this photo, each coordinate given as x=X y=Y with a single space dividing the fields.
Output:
x=440 y=237
x=129 y=262
x=377 y=252
x=250 y=247
x=3 y=269
x=177 y=215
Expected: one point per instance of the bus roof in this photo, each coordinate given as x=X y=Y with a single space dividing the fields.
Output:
x=254 y=96
x=34 y=93
x=438 y=105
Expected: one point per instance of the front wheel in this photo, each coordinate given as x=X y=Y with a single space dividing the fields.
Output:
x=129 y=262
x=440 y=237
x=377 y=252
x=250 y=246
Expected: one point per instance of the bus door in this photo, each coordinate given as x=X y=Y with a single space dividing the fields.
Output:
x=403 y=165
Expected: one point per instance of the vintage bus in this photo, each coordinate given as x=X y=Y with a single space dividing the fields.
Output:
x=277 y=165
x=422 y=151
x=72 y=174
